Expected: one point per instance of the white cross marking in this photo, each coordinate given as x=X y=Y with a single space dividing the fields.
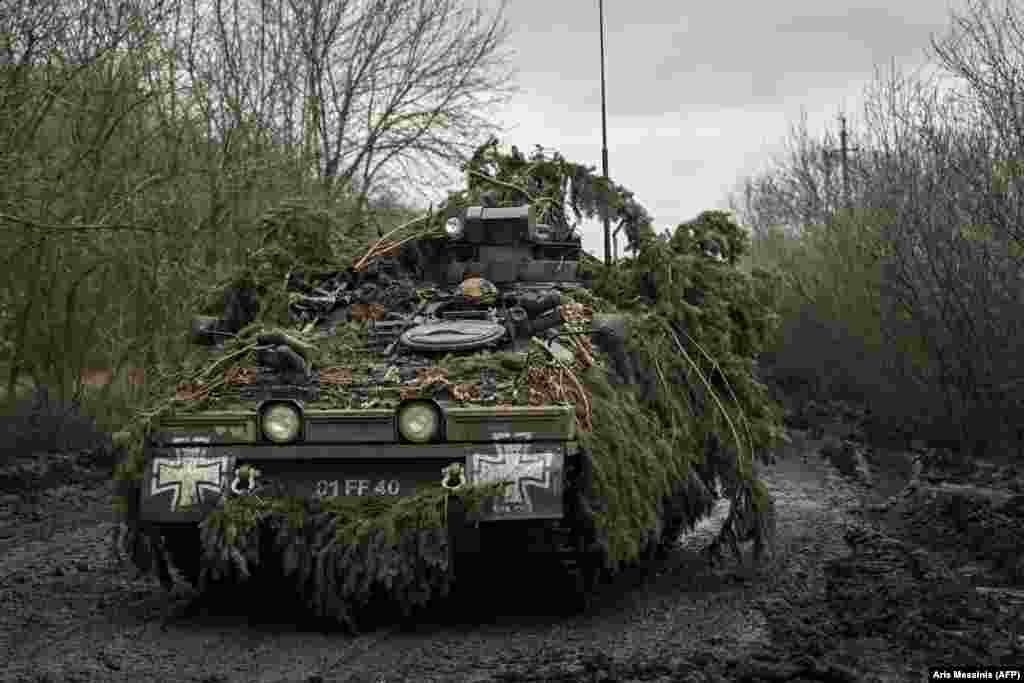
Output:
x=187 y=476
x=522 y=469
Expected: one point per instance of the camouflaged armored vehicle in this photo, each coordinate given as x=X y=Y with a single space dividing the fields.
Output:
x=451 y=403
x=435 y=334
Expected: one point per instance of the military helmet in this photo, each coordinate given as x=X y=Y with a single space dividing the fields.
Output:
x=478 y=290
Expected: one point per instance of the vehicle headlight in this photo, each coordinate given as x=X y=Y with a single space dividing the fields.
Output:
x=281 y=423
x=418 y=422
x=454 y=228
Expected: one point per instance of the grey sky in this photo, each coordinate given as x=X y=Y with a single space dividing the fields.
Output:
x=699 y=93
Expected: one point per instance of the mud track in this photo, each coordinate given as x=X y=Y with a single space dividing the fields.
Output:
x=69 y=612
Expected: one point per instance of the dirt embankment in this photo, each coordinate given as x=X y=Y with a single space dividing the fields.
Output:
x=870 y=581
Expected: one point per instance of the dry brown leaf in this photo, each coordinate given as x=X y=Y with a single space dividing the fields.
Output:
x=336 y=376
x=467 y=391
x=431 y=375
x=362 y=312
x=190 y=391
x=240 y=375
x=359 y=312
x=558 y=385
x=583 y=349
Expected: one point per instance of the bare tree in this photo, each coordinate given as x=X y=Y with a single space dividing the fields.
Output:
x=797 y=189
x=985 y=52
x=940 y=174
x=369 y=93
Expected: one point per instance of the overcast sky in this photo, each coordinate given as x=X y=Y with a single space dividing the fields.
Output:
x=699 y=93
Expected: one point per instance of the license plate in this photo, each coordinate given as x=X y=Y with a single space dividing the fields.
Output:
x=332 y=480
x=383 y=486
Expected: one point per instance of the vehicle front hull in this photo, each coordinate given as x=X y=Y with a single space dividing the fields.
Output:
x=184 y=482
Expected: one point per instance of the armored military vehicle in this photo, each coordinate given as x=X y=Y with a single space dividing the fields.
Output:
x=465 y=389
x=424 y=399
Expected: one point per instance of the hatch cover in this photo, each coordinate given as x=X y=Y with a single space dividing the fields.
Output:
x=452 y=335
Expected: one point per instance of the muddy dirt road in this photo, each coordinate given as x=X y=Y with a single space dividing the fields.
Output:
x=68 y=613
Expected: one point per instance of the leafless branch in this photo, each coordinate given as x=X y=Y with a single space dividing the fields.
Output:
x=367 y=84
x=34 y=225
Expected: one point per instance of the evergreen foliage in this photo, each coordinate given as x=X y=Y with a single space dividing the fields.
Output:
x=561 y=192
x=696 y=326
x=294 y=236
x=339 y=554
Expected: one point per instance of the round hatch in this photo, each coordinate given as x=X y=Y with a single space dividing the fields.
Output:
x=452 y=335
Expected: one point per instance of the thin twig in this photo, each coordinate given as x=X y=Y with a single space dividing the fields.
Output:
x=714 y=394
x=579 y=387
x=583 y=397
x=391 y=247
x=221 y=361
x=728 y=385
x=74 y=228
x=361 y=262
x=370 y=253
x=510 y=186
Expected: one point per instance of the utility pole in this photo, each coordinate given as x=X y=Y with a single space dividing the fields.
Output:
x=844 y=151
x=826 y=160
x=604 y=143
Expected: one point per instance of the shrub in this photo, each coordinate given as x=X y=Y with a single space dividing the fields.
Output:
x=42 y=424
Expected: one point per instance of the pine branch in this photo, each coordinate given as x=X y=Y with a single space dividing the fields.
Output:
x=502 y=183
